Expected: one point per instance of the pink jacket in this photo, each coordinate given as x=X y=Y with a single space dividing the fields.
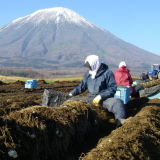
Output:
x=123 y=77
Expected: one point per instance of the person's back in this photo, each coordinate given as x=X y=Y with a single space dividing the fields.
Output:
x=144 y=76
x=123 y=77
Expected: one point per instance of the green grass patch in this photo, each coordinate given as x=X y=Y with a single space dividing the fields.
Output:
x=51 y=81
x=8 y=81
x=14 y=81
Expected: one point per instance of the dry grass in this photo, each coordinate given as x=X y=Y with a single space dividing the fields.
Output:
x=10 y=78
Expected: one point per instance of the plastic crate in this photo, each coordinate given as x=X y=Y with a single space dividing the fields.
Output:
x=31 y=84
x=123 y=92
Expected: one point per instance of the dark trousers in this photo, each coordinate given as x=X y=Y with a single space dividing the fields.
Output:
x=136 y=90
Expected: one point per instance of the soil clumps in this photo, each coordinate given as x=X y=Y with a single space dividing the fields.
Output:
x=41 y=81
x=74 y=130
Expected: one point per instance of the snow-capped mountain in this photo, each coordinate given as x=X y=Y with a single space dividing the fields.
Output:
x=58 y=37
x=56 y=15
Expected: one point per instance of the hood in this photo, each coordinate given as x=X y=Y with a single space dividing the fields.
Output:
x=103 y=69
x=122 y=64
x=94 y=62
x=123 y=69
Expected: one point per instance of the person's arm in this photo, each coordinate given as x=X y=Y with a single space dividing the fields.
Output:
x=111 y=86
x=81 y=87
x=130 y=79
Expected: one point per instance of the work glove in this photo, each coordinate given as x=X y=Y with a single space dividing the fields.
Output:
x=97 y=99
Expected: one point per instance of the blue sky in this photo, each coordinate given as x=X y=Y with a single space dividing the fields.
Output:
x=134 y=21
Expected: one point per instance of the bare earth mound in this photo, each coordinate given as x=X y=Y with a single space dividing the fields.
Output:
x=74 y=130
x=138 y=138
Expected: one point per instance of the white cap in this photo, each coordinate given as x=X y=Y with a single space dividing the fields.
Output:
x=122 y=64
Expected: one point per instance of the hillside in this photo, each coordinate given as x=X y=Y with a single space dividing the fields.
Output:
x=58 y=38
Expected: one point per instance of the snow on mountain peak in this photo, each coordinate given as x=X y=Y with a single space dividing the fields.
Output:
x=56 y=14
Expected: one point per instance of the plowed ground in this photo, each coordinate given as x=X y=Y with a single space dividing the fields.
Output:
x=74 y=130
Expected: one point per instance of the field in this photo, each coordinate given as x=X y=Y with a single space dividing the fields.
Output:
x=75 y=130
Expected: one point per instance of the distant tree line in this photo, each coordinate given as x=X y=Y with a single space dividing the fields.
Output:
x=74 y=64
x=28 y=73
x=7 y=72
x=35 y=65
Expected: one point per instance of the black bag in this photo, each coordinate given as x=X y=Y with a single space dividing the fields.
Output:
x=149 y=91
x=53 y=98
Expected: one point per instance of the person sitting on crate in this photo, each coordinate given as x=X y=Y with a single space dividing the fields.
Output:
x=100 y=82
x=122 y=77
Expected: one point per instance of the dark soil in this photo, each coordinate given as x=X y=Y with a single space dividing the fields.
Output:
x=75 y=130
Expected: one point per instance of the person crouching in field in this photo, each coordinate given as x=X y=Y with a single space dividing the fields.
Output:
x=144 y=76
x=123 y=77
x=100 y=82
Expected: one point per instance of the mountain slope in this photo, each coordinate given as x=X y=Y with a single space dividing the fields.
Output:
x=59 y=38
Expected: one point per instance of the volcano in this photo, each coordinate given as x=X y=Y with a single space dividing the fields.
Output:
x=59 y=38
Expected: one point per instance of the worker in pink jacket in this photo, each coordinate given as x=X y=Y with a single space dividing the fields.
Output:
x=123 y=77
